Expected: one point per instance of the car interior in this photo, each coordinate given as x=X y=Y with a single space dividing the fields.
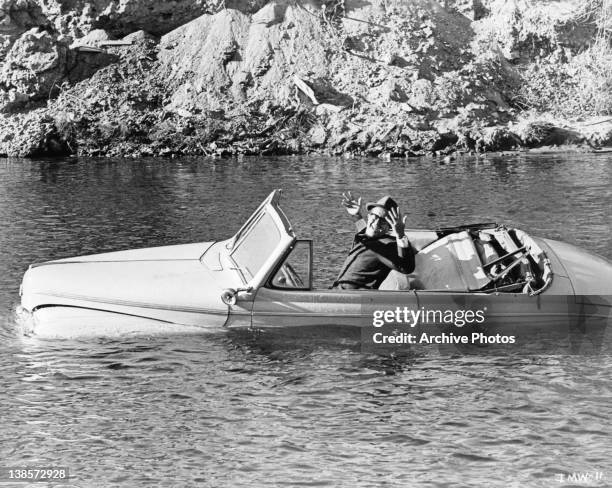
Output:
x=487 y=258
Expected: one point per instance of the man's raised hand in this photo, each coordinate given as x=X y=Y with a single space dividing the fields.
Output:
x=397 y=222
x=353 y=206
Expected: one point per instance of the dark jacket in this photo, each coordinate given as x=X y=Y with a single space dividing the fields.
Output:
x=371 y=259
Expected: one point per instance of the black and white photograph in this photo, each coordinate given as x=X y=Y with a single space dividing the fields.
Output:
x=306 y=243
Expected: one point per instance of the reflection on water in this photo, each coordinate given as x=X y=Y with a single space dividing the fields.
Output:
x=245 y=409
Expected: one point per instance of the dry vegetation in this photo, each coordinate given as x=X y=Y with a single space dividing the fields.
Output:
x=574 y=85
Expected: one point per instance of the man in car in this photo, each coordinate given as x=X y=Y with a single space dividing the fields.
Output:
x=380 y=245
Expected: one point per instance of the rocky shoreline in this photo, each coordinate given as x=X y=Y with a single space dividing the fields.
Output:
x=401 y=79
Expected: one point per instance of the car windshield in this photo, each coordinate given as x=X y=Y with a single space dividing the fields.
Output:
x=255 y=245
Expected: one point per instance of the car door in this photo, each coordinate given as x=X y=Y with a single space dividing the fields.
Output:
x=519 y=321
x=307 y=308
x=287 y=299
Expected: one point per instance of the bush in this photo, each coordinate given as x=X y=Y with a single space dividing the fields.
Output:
x=582 y=86
x=600 y=11
x=518 y=28
x=475 y=82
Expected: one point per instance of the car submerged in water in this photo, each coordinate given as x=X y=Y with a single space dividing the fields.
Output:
x=486 y=278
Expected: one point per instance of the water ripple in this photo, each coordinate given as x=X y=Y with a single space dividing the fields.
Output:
x=240 y=410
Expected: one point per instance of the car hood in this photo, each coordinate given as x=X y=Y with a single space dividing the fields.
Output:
x=163 y=253
x=590 y=274
x=162 y=278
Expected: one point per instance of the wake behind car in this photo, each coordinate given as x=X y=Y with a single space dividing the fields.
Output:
x=262 y=277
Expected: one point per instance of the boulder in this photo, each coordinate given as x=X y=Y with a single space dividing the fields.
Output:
x=422 y=94
x=33 y=68
x=317 y=135
x=537 y=133
x=16 y=17
x=497 y=138
x=29 y=135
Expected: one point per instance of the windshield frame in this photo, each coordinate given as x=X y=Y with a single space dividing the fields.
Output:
x=270 y=207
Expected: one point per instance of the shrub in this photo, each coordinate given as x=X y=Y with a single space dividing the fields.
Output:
x=600 y=11
x=475 y=82
x=582 y=86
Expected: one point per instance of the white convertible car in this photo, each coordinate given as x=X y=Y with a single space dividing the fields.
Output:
x=262 y=277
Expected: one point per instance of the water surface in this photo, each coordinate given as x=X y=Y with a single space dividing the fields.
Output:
x=239 y=409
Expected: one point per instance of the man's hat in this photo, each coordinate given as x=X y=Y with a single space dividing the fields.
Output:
x=385 y=202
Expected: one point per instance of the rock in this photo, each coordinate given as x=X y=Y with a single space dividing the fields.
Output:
x=183 y=113
x=93 y=38
x=473 y=9
x=443 y=141
x=498 y=139
x=534 y=133
x=473 y=111
x=317 y=135
x=396 y=92
x=305 y=89
x=29 y=135
x=270 y=14
x=597 y=131
x=120 y=17
x=140 y=36
x=33 y=68
x=389 y=91
x=328 y=108
x=495 y=97
x=421 y=94
x=12 y=100
x=16 y=17
x=392 y=59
